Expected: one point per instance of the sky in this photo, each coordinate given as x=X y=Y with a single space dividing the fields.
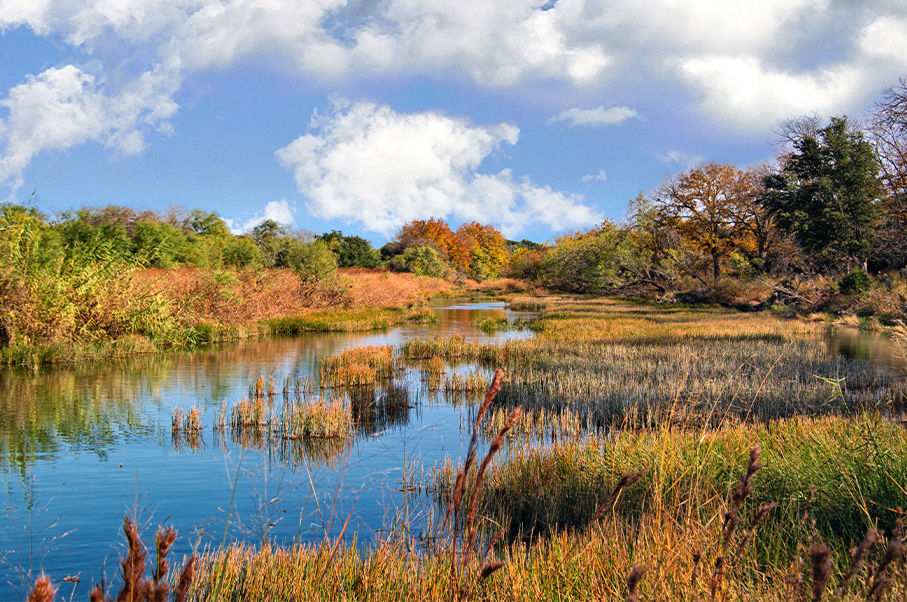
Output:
x=540 y=118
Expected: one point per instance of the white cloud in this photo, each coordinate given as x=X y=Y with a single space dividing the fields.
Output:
x=380 y=168
x=746 y=95
x=681 y=159
x=64 y=107
x=597 y=117
x=278 y=211
x=601 y=176
x=747 y=64
x=886 y=37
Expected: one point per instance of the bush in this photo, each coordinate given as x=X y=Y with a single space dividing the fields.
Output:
x=854 y=283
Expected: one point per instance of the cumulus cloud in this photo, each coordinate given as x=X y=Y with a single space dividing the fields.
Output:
x=278 y=211
x=64 y=107
x=597 y=117
x=601 y=176
x=744 y=93
x=745 y=64
x=369 y=164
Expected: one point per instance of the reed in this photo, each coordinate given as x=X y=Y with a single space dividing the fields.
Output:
x=358 y=366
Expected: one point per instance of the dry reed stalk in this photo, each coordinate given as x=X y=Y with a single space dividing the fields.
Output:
x=732 y=517
x=43 y=591
x=460 y=483
x=893 y=553
x=857 y=559
x=453 y=510
x=489 y=569
x=761 y=513
x=625 y=481
x=492 y=450
x=136 y=588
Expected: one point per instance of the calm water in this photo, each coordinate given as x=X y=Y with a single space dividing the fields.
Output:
x=81 y=446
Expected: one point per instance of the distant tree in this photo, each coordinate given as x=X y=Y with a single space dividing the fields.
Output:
x=826 y=195
x=422 y=261
x=888 y=135
x=584 y=262
x=487 y=250
x=351 y=251
x=313 y=262
x=435 y=233
x=242 y=252
x=706 y=206
x=207 y=224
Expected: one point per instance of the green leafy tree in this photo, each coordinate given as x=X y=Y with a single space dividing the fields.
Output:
x=242 y=252
x=423 y=261
x=351 y=251
x=585 y=262
x=826 y=195
x=313 y=262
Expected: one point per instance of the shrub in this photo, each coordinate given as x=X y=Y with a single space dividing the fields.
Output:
x=854 y=283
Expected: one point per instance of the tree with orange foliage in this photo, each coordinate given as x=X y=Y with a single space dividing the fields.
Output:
x=706 y=205
x=487 y=250
x=434 y=233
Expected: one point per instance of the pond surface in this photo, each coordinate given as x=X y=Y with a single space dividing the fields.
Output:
x=876 y=347
x=81 y=446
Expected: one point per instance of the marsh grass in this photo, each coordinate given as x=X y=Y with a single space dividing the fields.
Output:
x=633 y=365
x=358 y=366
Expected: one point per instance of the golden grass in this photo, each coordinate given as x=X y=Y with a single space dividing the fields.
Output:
x=251 y=295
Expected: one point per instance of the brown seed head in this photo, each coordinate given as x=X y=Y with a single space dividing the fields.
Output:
x=43 y=591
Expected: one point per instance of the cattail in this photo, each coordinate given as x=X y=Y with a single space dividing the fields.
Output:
x=633 y=579
x=43 y=591
x=820 y=558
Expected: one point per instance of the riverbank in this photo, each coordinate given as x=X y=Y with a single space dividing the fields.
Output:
x=131 y=311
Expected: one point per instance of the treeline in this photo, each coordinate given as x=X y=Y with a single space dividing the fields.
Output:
x=832 y=208
x=181 y=238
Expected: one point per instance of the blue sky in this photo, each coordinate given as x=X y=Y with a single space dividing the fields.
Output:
x=360 y=115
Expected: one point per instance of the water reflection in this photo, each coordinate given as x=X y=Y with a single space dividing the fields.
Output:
x=876 y=347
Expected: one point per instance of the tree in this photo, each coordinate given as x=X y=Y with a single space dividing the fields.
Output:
x=435 y=233
x=487 y=250
x=351 y=251
x=584 y=262
x=888 y=135
x=826 y=195
x=706 y=205
x=422 y=261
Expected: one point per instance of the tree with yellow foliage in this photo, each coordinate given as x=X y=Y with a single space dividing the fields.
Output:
x=708 y=206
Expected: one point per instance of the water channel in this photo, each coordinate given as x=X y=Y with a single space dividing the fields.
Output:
x=81 y=446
